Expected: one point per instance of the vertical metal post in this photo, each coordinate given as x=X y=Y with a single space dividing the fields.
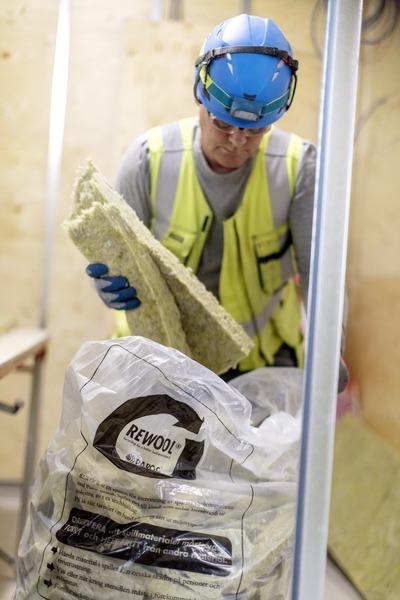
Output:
x=176 y=10
x=157 y=10
x=326 y=294
x=31 y=443
x=58 y=103
x=245 y=6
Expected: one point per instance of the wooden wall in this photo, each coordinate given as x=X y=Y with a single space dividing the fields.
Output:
x=373 y=349
x=128 y=73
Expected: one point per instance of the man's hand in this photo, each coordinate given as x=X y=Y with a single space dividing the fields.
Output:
x=115 y=291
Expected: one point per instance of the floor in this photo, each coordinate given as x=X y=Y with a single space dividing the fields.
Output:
x=337 y=586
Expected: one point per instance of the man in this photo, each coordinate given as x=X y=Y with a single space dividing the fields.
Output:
x=230 y=194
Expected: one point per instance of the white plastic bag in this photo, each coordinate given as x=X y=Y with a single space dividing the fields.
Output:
x=271 y=391
x=156 y=485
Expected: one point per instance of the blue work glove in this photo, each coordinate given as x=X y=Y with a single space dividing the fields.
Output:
x=115 y=291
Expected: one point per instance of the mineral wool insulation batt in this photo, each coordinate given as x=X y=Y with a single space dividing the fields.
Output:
x=176 y=310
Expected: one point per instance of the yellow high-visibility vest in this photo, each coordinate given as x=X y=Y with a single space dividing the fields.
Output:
x=256 y=281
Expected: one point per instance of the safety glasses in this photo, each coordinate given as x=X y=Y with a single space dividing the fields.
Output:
x=229 y=129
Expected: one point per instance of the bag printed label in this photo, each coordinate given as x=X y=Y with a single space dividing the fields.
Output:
x=147 y=544
x=154 y=436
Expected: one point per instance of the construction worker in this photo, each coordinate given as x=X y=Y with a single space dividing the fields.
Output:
x=229 y=193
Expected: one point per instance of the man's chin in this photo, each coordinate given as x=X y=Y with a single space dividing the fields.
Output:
x=232 y=160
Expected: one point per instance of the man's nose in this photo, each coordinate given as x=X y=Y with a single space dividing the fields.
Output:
x=238 y=137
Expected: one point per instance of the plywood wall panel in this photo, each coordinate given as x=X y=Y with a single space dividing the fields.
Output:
x=128 y=73
x=375 y=214
x=155 y=90
x=26 y=45
x=374 y=352
x=374 y=243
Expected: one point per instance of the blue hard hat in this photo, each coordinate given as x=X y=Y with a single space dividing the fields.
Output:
x=246 y=75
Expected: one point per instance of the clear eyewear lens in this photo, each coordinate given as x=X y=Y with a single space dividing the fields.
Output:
x=229 y=129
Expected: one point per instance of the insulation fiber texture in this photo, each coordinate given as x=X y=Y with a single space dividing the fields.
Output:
x=177 y=310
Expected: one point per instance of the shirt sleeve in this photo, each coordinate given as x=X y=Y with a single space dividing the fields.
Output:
x=301 y=215
x=301 y=223
x=133 y=179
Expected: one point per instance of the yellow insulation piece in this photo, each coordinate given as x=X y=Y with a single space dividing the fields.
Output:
x=177 y=310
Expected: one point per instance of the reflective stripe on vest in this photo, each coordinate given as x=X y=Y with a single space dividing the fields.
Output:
x=182 y=227
x=256 y=280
